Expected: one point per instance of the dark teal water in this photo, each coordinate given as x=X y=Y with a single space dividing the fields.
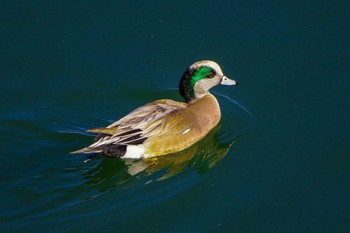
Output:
x=278 y=162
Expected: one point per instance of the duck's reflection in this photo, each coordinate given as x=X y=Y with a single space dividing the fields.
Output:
x=205 y=154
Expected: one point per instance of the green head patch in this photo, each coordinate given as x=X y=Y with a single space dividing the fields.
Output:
x=191 y=77
x=201 y=73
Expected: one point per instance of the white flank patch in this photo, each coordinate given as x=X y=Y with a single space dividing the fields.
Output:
x=133 y=152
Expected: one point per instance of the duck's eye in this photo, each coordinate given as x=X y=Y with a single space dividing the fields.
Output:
x=211 y=75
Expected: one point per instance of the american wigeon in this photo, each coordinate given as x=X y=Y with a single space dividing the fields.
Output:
x=166 y=126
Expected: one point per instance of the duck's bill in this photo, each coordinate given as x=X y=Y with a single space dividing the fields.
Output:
x=229 y=82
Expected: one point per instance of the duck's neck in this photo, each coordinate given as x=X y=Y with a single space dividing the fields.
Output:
x=191 y=96
x=185 y=89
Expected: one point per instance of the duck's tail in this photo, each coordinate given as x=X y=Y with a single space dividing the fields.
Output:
x=87 y=150
x=115 y=150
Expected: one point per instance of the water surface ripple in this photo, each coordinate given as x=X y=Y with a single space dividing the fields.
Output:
x=43 y=184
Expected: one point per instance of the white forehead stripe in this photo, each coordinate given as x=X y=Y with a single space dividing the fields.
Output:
x=208 y=63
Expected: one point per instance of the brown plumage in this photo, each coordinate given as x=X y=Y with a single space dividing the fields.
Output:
x=166 y=126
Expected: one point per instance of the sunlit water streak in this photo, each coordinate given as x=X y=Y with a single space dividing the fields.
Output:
x=56 y=184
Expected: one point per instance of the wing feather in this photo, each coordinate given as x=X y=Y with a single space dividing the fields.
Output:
x=153 y=119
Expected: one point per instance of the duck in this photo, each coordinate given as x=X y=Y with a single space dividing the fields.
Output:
x=165 y=126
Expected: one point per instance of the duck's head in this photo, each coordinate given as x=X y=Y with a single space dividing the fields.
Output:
x=199 y=78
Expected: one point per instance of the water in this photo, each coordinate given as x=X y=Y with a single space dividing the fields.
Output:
x=57 y=183
x=278 y=161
